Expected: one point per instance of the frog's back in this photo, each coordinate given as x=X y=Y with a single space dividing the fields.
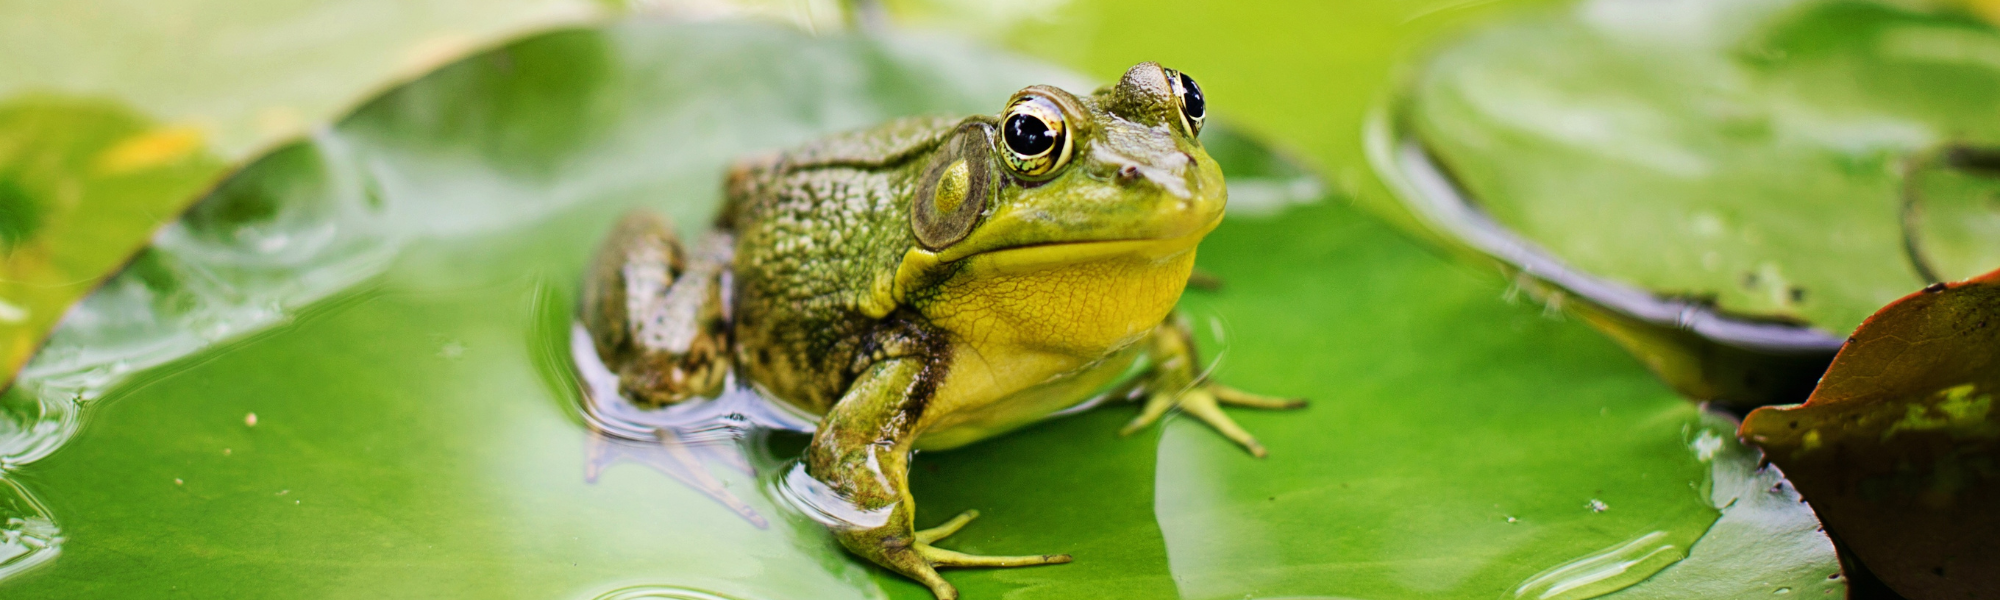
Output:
x=816 y=227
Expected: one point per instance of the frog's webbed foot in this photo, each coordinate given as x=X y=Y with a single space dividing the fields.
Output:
x=860 y=455
x=940 y=558
x=1205 y=401
x=916 y=558
x=1174 y=383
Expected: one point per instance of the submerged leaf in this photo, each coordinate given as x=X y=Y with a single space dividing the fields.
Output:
x=1899 y=448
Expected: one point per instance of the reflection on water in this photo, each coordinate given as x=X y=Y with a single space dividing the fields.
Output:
x=680 y=441
x=28 y=535
x=825 y=505
x=659 y=592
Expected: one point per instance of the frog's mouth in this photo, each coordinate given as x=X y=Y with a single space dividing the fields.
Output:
x=1148 y=256
x=1031 y=237
x=1037 y=257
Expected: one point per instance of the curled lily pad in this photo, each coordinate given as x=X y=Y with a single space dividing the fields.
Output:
x=1898 y=450
x=1713 y=163
x=83 y=183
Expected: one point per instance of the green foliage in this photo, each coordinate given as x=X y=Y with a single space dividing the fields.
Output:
x=417 y=432
x=1753 y=157
x=115 y=114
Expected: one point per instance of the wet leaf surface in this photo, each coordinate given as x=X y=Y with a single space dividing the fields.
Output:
x=115 y=114
x=82 y=184
x=1899 y=448
x=412 y=274
x=1746 y=154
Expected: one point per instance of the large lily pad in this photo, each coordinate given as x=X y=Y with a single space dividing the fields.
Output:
x=419 y=432
x=1706 y=175
x=115 y=114
x=82 y=185
x=1899 y=447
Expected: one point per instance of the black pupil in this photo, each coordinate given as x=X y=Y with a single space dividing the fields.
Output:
x=1028 y=135
x=1191 y=102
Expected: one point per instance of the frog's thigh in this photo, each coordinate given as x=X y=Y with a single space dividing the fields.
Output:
x=1176 y=382
x=655 y=311
x=861 y=453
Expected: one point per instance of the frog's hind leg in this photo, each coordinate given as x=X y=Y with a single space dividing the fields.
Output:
x=1175 y=382
x=858 y=462
x=656 y=312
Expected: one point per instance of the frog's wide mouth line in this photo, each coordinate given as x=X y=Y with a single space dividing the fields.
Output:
x=1186 y=235
x=1059 y=254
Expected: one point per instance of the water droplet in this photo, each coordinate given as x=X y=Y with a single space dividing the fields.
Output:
x=1605 y=570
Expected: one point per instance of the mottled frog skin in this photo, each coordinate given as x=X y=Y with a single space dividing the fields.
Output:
x=930 y=283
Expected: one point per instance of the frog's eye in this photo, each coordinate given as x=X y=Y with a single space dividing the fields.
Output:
x=952 y=194
x=1193 y=107
x=1036 y=135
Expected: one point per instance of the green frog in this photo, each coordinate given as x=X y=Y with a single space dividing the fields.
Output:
x=930 y=283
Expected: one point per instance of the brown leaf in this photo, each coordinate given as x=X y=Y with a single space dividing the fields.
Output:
x=1898 y=449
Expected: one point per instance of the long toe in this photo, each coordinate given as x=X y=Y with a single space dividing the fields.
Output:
x=947 y=528
x=946 y=558
x=1235 y=397
x=1203 y=406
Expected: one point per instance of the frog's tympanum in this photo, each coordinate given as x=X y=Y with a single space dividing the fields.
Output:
x=930 y=283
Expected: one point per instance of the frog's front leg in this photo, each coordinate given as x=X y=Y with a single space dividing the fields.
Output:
x=861 y=453
x=1176 y=381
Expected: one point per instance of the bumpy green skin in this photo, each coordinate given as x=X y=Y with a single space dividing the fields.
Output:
x=816 y=226
x=835 y=306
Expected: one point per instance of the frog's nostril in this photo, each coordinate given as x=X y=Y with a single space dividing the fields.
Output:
x=1128 y=174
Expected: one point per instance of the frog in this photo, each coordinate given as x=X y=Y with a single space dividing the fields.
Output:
x=930 y=283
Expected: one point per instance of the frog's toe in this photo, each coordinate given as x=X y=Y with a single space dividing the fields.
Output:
x=1205 y=402
x=930 y=578
x=939 y=557
x=1157 y=405
x=1235 y=397
x=1202 y=403
x=949 y=527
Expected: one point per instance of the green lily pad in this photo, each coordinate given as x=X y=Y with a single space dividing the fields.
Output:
x=1709 y=174
x=406 y=420
x=115 y=114
x=1899 y=447
x=81 y=183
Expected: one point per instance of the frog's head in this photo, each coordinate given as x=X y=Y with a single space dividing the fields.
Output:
x=1065 y=197
x=1124 y=163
